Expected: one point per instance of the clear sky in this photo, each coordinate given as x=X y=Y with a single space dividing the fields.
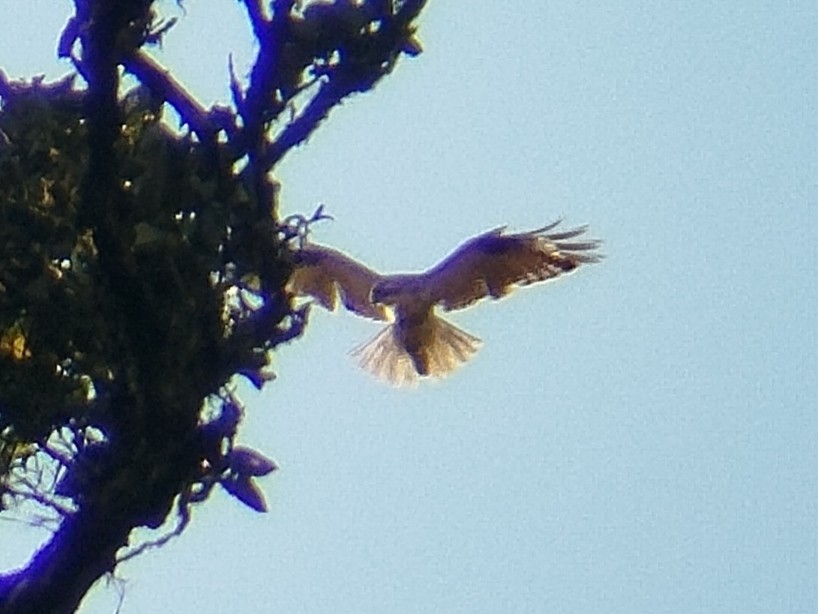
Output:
x=637 y=437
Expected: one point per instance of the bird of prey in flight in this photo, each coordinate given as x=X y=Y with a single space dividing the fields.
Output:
x=418 y=342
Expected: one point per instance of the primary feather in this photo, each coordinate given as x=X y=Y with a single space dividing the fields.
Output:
x=493 y=263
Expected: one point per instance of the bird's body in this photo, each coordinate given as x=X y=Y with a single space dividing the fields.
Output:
x=418 y=342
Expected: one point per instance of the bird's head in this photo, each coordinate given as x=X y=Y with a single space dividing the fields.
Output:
x=388 y=291
x=381 y=293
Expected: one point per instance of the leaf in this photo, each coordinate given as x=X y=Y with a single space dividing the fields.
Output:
x=243 y=489
x=248 y=462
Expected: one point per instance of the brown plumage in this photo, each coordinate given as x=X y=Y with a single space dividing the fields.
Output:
x=419 y=343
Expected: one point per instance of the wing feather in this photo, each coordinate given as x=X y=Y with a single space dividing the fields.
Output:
x=494 y=263
x=327 y=275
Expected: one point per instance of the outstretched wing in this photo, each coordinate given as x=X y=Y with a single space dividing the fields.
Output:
x=493 y=263
x=327 y=275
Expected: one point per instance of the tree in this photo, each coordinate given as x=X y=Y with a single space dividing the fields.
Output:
x=143 y=267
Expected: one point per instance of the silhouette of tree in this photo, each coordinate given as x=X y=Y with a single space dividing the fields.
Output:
x=142 y=268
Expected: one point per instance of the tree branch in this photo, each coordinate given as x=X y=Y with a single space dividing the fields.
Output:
x=161 y=83
x=351 y=75
x=330 y=93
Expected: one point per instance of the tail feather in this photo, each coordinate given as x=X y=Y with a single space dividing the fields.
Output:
x=441 y=349
x=386 y=359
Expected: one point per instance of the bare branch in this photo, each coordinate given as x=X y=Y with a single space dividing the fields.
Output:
x=31 y=492
x=259 y=21
x=159 y=80
x=181 y=523
x=329 y=94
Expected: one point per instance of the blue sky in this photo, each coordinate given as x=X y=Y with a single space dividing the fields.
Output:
x=638 y=437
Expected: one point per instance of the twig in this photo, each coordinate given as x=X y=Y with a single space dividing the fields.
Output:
x=184 y=519
x=32 y=494
x=55 y=455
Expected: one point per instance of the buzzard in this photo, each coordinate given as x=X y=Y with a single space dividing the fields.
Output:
x=418 y=342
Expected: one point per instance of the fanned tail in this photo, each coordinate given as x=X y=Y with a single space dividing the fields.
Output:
x=385 y=358
x=448 y=348
x=441 y=347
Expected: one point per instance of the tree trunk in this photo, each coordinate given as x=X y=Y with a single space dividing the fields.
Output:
x=62 y=571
